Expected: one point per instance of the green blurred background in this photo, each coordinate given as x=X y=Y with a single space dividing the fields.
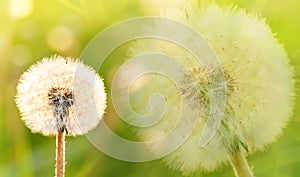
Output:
x=32 y=29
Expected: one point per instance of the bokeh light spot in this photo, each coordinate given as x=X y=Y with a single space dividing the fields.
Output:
x=60 y=38
x=20 y=8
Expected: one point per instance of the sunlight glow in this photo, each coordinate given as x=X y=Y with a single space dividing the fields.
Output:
x=20 y=8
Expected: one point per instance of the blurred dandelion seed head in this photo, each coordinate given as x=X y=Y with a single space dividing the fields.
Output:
x=259 y=80
x=60 y=94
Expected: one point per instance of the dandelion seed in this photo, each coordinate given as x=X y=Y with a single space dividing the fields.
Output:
x=63 y=97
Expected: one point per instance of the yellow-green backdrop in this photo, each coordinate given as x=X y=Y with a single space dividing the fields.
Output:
x=32 y=29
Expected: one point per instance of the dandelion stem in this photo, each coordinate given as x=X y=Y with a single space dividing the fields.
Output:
x=240 y=165
x=60 y=155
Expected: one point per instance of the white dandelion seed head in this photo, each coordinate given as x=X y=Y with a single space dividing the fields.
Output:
x=259 y=80
x=60 y=94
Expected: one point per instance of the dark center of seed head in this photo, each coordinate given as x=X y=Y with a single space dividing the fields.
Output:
x=61 y=99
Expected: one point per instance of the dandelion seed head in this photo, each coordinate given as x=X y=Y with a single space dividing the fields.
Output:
x=259 y=81
x=60 y=94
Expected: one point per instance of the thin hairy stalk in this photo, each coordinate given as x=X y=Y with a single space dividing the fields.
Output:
x=60 y=155
x=240 y=165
